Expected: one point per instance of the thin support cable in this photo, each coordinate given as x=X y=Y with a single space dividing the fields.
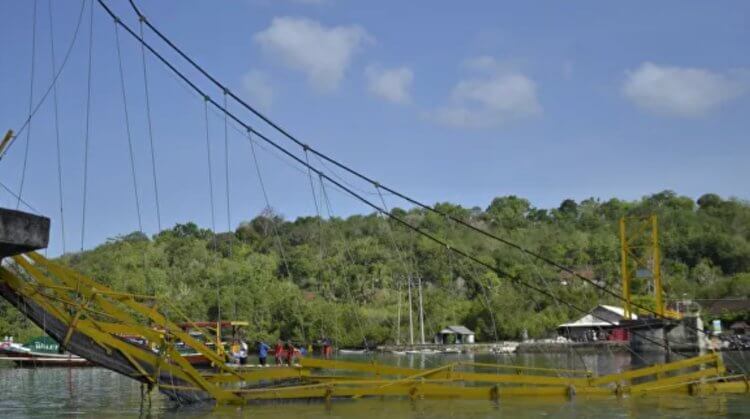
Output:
x=268 y=205
x=212 y=203
x=370 y=180
x=15 y=195
x=226 y=168
x=58 y=148
x=347 y=254
x=41 y=101
x=401 y=257
x=127 y=130
x=88 y=126
x=210 y=168
x=315 y=201
x=366 y=178
x=31 y=104
x=349 y=191
x=150 y=131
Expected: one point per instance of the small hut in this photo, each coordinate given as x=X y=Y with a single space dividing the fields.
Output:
x=454 y=334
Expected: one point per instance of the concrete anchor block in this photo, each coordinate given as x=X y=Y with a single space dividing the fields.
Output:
x=22 y=232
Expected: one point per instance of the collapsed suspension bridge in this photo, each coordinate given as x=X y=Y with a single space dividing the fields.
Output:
x=136 y=335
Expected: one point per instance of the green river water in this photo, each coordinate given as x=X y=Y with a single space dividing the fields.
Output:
x=96 y=392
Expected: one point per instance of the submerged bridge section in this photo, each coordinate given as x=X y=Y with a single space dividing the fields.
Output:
x=132 y=335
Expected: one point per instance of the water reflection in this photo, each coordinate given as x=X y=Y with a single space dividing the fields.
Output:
x=98 y=392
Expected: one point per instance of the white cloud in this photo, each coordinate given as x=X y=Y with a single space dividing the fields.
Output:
x=258 y=87
x=496 y=95
x=322 y=53
x=680 y=91
x=390 y=84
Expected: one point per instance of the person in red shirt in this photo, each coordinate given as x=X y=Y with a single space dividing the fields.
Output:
x=290 y=353
x=277 y=352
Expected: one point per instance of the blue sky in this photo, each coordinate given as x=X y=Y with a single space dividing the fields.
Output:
x=446 y=101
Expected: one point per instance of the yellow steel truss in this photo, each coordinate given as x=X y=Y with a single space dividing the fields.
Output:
x=86 y=309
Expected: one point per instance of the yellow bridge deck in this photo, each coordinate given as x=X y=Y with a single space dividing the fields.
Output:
x=92 y=320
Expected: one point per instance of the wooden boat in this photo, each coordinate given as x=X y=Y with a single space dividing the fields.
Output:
x=41 y=351
x=216 y=330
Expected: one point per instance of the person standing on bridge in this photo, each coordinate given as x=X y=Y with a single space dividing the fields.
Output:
x=277 y=350
x=290 y=349
x=262 y=352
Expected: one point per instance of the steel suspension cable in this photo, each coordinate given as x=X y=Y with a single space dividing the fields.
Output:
x=147 y=96
x=58 y=148
x=127 y=130
x=210 y=167
x=88 y=126
x=268 y=206
x=15 y=195
x=226 y=170
x=315 y=201
x=326 y=202
x=41 y=101
x=341 y=186
x=226 y=179
x=368 y=179
x=31 y=103
x=403 y=259
x=211 y=202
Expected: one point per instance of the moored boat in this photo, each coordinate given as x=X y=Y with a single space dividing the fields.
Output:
x=41 y=351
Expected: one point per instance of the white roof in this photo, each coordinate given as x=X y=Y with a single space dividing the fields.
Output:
x=619 y=310
x=590 y=321
x=459 y=330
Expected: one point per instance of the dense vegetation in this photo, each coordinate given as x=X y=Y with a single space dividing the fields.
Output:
x=342 y=278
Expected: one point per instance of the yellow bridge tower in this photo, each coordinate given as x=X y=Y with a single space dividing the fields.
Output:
x=638 y=233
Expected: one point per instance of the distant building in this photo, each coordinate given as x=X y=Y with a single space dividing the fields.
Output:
x=601 y=323
x=724 y=306
x=454 y=334
x=740 y=328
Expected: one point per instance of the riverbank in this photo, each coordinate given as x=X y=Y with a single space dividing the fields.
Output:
x=529 y=347
x=466 y=348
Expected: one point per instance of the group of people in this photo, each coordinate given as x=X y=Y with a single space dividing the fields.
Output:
x=238 y=351
x=283 y=353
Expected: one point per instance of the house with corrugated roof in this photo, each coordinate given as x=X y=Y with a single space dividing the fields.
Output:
x=454 y=334
x=601 y=323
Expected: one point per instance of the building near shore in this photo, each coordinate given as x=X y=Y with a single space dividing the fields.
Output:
x=601 y=323
x=454 y=334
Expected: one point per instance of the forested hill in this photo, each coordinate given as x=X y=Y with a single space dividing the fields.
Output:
x=342 y=278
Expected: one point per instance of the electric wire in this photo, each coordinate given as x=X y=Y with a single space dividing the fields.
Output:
x=31 y=103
